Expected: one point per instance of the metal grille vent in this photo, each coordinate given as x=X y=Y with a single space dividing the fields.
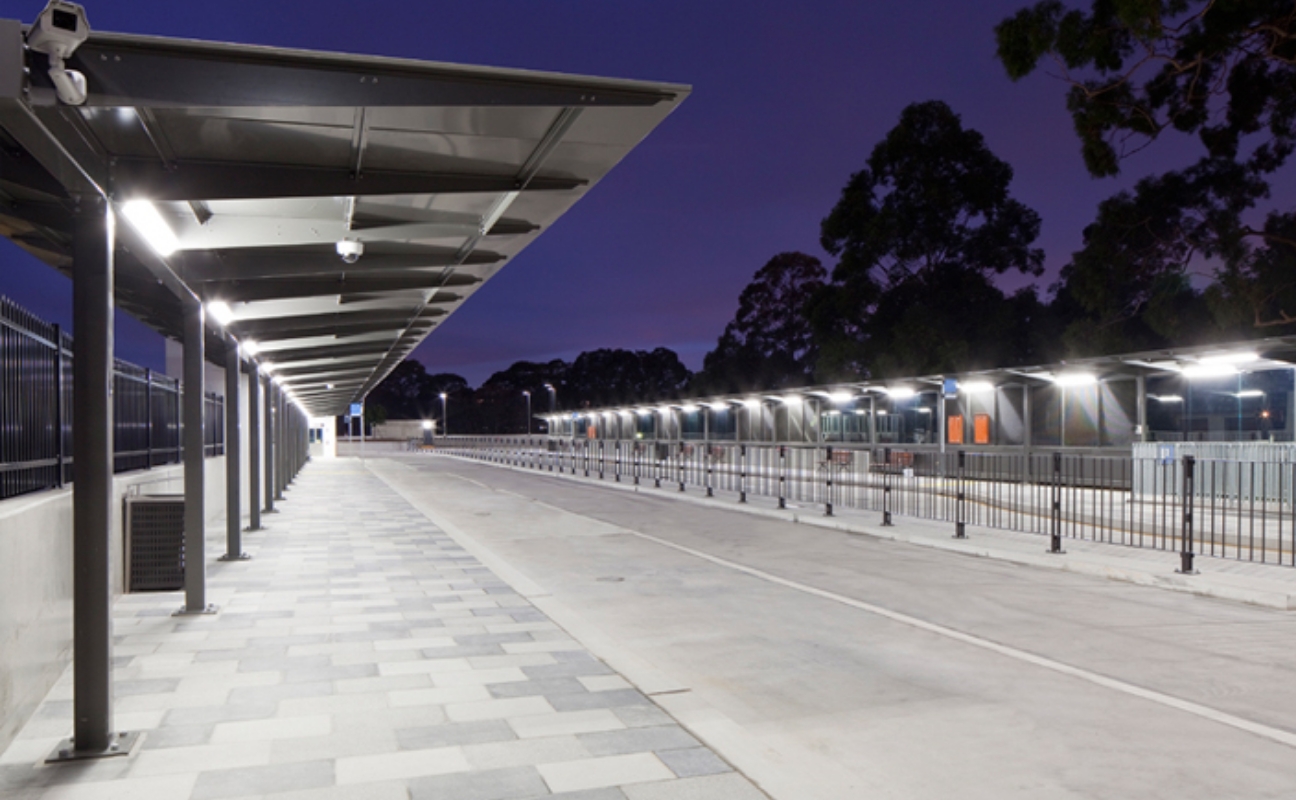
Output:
x=155 y=543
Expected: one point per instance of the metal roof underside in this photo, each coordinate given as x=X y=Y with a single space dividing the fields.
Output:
x=261 y=159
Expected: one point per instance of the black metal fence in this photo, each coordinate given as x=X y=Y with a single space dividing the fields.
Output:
x=36 y=404
x=1194 y=506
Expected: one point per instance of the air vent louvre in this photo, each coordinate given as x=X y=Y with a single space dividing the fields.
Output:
x=155 y=543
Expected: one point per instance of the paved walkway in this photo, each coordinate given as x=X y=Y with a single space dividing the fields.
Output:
x=363 y=653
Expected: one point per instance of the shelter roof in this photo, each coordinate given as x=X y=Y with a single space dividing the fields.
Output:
x=260 y=160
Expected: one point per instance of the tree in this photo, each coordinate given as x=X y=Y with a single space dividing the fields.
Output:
x=615 y=377
x=920 y=231
x=502 y=402
x=409 y=392
x=769 y=344
x=1137 y=69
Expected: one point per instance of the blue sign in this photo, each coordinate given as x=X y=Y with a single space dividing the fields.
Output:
x=951 y=387
x=357 y=409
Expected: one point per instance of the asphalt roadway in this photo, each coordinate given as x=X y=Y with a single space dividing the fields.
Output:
x=828 y=665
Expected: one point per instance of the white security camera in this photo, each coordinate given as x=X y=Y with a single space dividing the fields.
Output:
x=349 y=250
x=58 y=32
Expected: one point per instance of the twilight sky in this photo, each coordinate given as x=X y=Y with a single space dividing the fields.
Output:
x=788 y=100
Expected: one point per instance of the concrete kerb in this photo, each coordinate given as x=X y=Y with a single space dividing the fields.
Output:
x=1082 y=558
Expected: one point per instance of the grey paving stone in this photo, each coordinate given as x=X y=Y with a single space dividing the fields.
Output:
x=573 y=655
x=569 y=669
x=259 y=695
x=612 y=699
x=54 y=709
x=730 y=786
x=495 y=784
x=637 y=740
x=545 y=687
x=222 y=783
x=281 y=663
x=177 y=736
x=693 y=762
x=454 y=733
x=330 y=673
x=229 y=712
x=463 y=651
x=591 y=794
x=642 y=716
x=145 y=686
x=493 y=638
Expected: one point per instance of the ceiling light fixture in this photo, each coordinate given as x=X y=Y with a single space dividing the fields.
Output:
x=221 y=312
x=1209 y=370
x=1075 y=379
x=146 y=219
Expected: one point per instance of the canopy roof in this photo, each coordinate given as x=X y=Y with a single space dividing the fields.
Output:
x=260 y=160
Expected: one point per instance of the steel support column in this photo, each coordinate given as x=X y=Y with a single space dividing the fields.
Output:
x=254 y=446
x=282 y=426
x=270 y=424
x=195 y=509
x=92 y=453
x=1140 y=394
x=233 y=452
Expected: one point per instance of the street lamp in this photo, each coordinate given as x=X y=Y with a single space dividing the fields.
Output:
x=427 y=431
x=445 y=419
x=528 y=402
x=553 y=396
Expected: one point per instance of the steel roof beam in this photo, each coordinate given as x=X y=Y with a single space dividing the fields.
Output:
x=147 y=71
x=185 y=179
x=206 y=267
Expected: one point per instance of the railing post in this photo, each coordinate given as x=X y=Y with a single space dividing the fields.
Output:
x=1055 y=534
x=828 y=468
x=742 y=473
x=616 y=473
x=58 y=402
x=1186 y=540
x=886 y=487
x=679 y=457
x=960 y=510
x=602 y=459
x=782 y=452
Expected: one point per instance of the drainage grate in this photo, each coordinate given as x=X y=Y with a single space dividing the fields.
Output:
x=154 y=543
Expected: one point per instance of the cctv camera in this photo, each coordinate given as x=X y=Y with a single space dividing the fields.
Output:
x=350 y=250
x=58 y=32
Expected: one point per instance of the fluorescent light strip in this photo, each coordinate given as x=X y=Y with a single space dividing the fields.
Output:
x=145 y=218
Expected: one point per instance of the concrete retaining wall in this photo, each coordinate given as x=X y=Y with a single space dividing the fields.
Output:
x=36 y=581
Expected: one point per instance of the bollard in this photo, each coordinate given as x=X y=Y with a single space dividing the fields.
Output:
x=886 y=487
x=960 y=511
x=601 y=459
x=1186 y=540
x=1055 y=533
x=617 y=474
x=710 y=470
x=681 y=466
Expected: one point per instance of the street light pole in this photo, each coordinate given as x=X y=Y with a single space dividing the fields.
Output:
x=445 y=418
x=528 y=402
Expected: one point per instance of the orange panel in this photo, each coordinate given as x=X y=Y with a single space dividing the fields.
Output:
x=954 y=430
x=981 y=429
x=592 y=433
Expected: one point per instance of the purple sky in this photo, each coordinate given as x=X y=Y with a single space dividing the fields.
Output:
x=788 y=100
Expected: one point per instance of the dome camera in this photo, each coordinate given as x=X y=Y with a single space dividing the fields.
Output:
x=350 y=250
x=58 y=32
